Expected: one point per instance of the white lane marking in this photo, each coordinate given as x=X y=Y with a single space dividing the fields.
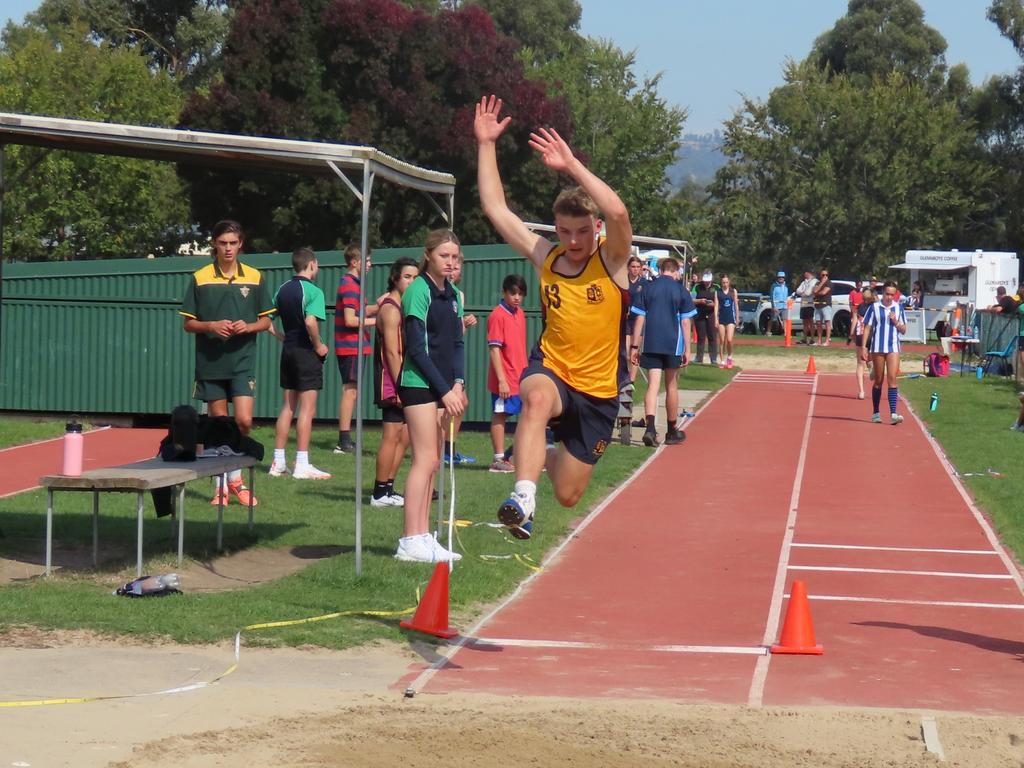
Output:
x=898 y=549
x=445 y=655
x=990 y=534
x=755 y=697
x=577 y=645
x=902 y=601
x=843 y=569
x=930 y=733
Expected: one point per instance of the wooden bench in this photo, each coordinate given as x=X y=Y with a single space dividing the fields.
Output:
x=138 y=478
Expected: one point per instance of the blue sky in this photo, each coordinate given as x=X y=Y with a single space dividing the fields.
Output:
x=712 y=51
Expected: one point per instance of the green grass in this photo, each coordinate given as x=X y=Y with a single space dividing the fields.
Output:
x=291 y=515
x=24 y=430
x=972 y=423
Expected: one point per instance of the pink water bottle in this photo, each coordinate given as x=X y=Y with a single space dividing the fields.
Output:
x=73 y=440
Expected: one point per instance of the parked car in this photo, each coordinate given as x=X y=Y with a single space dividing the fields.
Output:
x=750 y=304
x=840 y=311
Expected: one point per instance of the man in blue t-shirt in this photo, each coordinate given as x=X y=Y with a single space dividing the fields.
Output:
x=663 y=311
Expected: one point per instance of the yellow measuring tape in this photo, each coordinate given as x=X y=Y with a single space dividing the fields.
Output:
x=222 y=675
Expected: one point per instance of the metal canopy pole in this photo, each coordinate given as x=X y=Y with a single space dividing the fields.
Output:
x=364 y=245
x=3 y=190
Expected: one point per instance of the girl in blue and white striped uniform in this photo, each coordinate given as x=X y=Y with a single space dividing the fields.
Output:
x=883 y=324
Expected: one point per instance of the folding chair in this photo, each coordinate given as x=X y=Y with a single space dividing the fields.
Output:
x=1003 y=354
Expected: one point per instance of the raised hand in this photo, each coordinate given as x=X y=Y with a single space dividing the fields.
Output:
x=486 y=125
x=553 y=150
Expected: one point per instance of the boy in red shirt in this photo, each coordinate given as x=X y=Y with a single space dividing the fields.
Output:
x=506 y=344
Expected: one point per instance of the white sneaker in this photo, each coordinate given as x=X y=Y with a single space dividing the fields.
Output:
x=442 y=553
x=416 y=549
x=309 y=472
x=278 y=470
x=897 y=419
x=391 y=500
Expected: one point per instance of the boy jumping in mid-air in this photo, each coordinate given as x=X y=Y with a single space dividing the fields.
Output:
x=571 y=380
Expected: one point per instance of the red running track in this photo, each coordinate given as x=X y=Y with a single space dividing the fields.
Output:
x=674 y=592
x=21 y=466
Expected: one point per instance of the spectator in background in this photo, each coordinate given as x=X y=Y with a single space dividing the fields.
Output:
x=780 y=299
x=468 y=321
x=634 y=271
x=916 y=300
x=347 y=345
x=856 y=300
x=431 y=387
x=226 y=305
x=387 y=369
x=857 y=333
x=300 y=305
x=707 y=329
x=822 y=295
x=806 y=293
x=663 y=311
x=506 y=345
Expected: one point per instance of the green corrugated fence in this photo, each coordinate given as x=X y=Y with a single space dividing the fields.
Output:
x=106 y=336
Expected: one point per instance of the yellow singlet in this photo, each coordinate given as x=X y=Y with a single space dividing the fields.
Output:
x=583 y=325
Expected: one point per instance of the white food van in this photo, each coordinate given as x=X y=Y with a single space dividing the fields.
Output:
x=954 y=277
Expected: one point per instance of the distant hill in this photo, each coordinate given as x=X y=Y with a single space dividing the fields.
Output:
x=699 y=157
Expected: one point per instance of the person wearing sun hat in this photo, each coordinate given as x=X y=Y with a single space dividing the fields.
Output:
x=779 y=297
x=704 y=322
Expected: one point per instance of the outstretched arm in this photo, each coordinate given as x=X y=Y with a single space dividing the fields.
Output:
x=556 y=154
x=488 y=128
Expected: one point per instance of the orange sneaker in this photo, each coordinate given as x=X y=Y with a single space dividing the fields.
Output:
x=220 y=498
x=243 y=494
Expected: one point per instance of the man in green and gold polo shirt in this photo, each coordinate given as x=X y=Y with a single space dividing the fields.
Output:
x=226 y=304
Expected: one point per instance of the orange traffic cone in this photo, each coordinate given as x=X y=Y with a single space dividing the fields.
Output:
x=810 y=365
x=431 y=617
x=798 y=629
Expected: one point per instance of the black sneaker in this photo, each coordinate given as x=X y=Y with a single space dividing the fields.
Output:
x=345 y=446
x=650 y=439
x=675 y=437
x=639 y=423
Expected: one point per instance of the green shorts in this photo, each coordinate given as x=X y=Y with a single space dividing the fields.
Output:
x=243 y=385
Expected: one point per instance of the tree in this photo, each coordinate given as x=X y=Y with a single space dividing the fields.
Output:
x=626 y=131
x=66 y=205
x=373 y=72
x=877 y=37
x=829 y=172
x=545 y=28
x=181 y=37
x=998 y=108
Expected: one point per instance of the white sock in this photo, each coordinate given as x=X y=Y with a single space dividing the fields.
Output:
x=499 y=457
x=526 y=488
x=279 y=455
x=235 y=477
x=302 y=458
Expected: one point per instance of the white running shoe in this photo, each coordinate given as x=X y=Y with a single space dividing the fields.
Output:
x=423 y=549
x=309 y=472
x=397 y=499
x=897 y=419
x=416 y=549
x=876 y=418
x=443 y=554
x=391 y=500
x=278 y=470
